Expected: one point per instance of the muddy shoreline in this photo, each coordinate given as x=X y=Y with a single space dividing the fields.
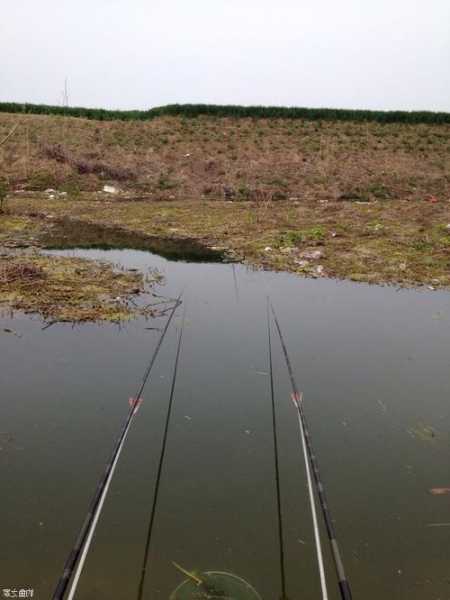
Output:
x=406 y=245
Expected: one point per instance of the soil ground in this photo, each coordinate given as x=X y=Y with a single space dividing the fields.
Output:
x=366 y=202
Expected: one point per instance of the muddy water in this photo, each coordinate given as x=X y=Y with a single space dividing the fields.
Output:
x=373 y=364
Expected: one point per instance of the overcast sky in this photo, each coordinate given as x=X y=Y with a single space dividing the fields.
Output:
x=378 y=54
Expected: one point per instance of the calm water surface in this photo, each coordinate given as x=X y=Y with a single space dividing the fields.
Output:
x=374 y=366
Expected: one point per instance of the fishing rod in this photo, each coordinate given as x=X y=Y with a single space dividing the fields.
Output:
x=277 y=468
x=81 y=547
x=160 y=464
x=297 y=398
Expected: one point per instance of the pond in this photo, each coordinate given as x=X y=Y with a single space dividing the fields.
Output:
x=374 y=366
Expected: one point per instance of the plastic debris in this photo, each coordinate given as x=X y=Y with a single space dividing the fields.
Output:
x=422 y=432
x=110 y=189
x=302 y=263
x=312 y=254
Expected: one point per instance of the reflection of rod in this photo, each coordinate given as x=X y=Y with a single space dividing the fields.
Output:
x=161 y=459
x=80 y=550
x=277 y=470
x=236 y=289
x=190 y=574
x=344 y=586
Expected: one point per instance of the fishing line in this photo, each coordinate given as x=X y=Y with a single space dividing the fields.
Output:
x=160 y=464
x=344 y=586
x=81 y=547
x=277 y=470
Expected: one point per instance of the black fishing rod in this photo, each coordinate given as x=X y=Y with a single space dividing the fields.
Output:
x=81 y=547
x=160 y=464
x=277 y=468
x=344 y=586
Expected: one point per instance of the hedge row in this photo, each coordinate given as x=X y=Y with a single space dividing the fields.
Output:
x=267 y=112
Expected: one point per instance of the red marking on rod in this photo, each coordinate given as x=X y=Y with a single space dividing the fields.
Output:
x=136 y=403
x=297 y=398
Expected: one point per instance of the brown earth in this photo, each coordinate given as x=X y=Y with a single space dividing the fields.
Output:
x=367 y=202
x=224 y=158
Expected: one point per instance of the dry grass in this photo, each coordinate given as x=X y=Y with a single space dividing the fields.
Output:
x=67 y=289
x=243 y=159
x=24 y=273
x=367 y=202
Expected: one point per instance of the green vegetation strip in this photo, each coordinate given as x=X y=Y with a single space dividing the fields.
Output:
x=217 y=110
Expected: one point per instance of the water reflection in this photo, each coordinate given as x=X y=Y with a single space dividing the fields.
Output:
x=373 y=365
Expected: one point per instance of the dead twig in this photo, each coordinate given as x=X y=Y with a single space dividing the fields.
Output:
x=5 y=139
x=49 y=324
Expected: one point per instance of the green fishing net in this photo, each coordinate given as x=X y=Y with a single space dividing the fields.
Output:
x=215 y=585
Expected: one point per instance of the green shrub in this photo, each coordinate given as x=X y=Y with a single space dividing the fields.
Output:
x=315 y=233
x=380 y=191
x=41 y=181
x=3 y=192
x=164 y=182
x=291 y=238
x=72 y=187
x=192 y=111
x=244 y=192
x=296 y=237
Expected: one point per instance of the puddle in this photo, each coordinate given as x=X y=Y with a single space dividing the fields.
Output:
x=373 y=363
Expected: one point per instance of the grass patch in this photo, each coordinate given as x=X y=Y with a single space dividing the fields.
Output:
x=67 y=289
x=296 y=238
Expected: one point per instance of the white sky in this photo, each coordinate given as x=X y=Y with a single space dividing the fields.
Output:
x=378 y=54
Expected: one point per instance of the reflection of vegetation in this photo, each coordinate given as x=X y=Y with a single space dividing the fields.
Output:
x=69 y=233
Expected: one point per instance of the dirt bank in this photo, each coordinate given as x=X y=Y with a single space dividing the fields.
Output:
x=360 y=201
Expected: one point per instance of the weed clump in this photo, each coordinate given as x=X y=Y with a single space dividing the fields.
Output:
x=86 y=166
x=67 y=289
x=24 y=273
x=3 y=192
x=297 y=237
x=41 y=181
